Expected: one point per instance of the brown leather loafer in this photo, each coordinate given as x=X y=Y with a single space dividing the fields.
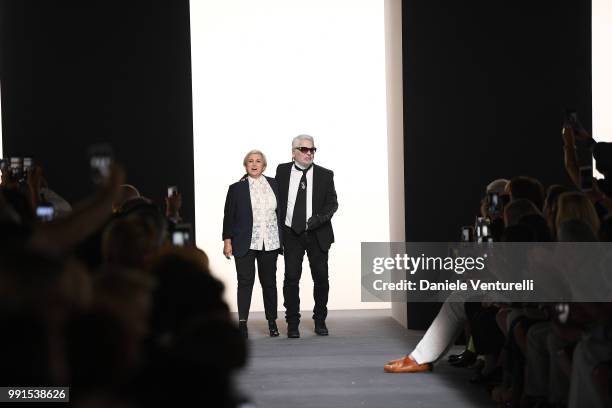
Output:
x=408 y=365
x=397 y=360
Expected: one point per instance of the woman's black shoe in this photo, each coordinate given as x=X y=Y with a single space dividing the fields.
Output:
x=244 y=330
x=273 y=329
x=465 y=359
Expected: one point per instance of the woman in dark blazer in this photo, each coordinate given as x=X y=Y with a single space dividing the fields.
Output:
x=251 y=232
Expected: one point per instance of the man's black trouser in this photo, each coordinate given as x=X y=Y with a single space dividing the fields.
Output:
x=294 y=248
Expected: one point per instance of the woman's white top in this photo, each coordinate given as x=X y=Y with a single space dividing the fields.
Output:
x=265 y=226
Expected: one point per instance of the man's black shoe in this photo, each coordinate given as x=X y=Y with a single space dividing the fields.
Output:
x=466 y=359
x=455 y=357
x=273 y=328
x=292 y=331
x=321 y=328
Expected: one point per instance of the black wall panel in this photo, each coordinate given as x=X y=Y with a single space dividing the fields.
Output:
x=80 y=72
x=485 y=85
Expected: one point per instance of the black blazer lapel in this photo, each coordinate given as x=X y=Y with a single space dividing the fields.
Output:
x=273 y=185
x=283 y=173
x=316 y=188
x=245 y=198
x=283 y=184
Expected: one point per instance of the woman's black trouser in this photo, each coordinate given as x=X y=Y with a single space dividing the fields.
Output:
x=266 y=268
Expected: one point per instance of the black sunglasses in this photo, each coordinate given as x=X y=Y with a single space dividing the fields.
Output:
x=306 y=149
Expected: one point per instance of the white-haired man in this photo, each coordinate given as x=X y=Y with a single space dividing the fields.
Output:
x=307 y=202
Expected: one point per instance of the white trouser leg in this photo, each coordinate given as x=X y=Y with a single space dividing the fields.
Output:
x=442 y=332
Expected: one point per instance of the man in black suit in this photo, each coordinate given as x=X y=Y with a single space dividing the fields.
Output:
x=307 y=201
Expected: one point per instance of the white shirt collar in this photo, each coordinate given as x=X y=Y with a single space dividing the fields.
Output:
x=298 y=165
x=255 y=180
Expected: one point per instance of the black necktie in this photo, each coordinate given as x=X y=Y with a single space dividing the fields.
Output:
x=298 y=222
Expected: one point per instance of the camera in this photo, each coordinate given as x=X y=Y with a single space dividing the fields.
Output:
x=45 y=212
x=172 y=191
x=482 y=228
x=100 y=160
x=181 y=235
x=467 y=233
x=16 y=168
x=571 y=117
x=495 y=203
x=558 y=312
x=571 y=120
x=28 y=163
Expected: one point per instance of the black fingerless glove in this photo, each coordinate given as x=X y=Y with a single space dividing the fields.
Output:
x=314 y=222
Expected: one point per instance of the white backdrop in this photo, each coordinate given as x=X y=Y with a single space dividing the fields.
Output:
x=265 y=71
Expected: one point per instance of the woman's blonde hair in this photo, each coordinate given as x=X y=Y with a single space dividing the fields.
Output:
x=263 y=157
x=577 y=206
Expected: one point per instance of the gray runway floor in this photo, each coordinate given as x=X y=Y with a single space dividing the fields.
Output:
x=345 y=369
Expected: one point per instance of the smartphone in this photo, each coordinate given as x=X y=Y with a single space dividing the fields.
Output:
x=16 y=167
x=27 y=163
x=45 y=212
x=562 y=312
x=172 y=191
x=495 y=203
x=27 y=166
x=181 y=235
x=586 y=178
x=571 y=116
x=482 y=229
x=467 y=234
x=100 y=160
